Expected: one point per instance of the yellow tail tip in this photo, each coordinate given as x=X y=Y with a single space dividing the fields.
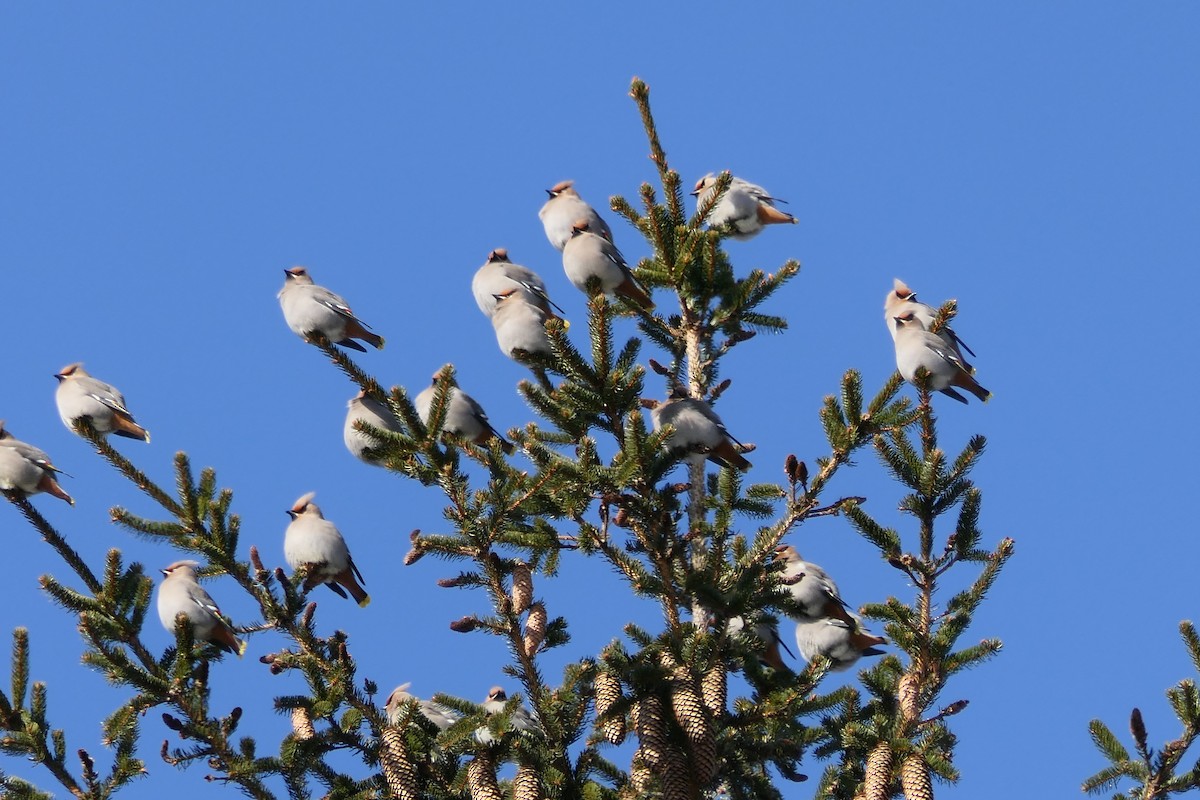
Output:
x=366 y=601
x=989 y=397
x=241 y=649
x=147 y=439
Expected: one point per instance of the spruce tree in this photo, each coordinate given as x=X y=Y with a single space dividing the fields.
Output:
x=700 y=549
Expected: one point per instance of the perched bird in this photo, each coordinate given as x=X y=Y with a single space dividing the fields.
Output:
x=841 y=642
x=520 y=322
x=813 y=590
x=564 y=208
x=312 y=540
x=498 y=274
x=436 y=713
x=698 y=429
x=308 y=307
x=917 y=347
x=27 y=469
x=746 y=206
x=464 y=417
x=902 y=299
x=520 y=721
x=80 y=395
x=375 y=413
x=587 y=255
x=765 y=630
x=180 y=593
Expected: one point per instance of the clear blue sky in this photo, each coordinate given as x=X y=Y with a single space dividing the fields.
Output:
x=162 y=165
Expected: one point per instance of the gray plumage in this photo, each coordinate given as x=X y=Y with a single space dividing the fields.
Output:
x=746 y=206
x=436 y=713
x=698 y=430
x=180 y=593
x=519 y=321
x=841 y=642
x=80 y=395
x=497 y=275
x=810 y=587
x=564 y=208
x=464 y=417
x=587 y=256
x=27 y=469
x=902 y=299
x=375 y=413
x=520 y=721
x=314 y=541
x=917 y=347
x=308 y=307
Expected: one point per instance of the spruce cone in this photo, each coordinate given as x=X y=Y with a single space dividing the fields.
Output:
x=522 y=588
x=713 y=690
x=526 y=785
x=692 y=718
x=656 y=750
x=914 y=778
x=535 y=628
x=908 y=694
x=398 y=768
x=877 y=784
x=608 y=694
x=481 y=779
x=639 y=778
x=302 y=724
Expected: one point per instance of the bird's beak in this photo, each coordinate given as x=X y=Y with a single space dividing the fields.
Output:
x=291 y=513
x=551 y=193
x=165 y=571
x=59 y=377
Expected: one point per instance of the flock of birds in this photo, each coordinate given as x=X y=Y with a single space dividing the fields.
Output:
x=515 y=299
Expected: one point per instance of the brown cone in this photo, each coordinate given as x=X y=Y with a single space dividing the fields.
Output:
x=302 y=724
x=608 y=694
x=713 y=689
x=692 y=717
x=535 y=628
x=914 y=778
x=522 y=588
x=877 y=785
x=398 y=768
x=481 y=779
x=526 y=785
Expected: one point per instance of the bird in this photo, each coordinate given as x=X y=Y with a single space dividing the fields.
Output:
x=313 y=541
x=564 y=208
x=436 y=713
x=901 y=299
x=588 y=255
x=498 y=274
x=180 y=593
x=308 y=307
x=814 y=592
x=841 y=642
x=27 y=469
x=375 y=413
x=745 y=206
x=519 y=321
x=917 y=347
x=698 y=429
x=464 y=417
x=766 y=631
x=80 y=395
x=520 y=720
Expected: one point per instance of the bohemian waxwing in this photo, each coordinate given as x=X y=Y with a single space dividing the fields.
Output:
x=588 y=256
x=521 y=720
x=917 y=347
x=746 y=206
x=180 y=593
x=27 y=469
x=498 y=274
x=80 y=395
x=375 y=413
x=814 y=591
x=312 y=540
x=765 y=630
x=902 y=299
x=464 y=417
x=436 y=713
x=520 y=322
x=564 y=208
x=308 y=307
x=698 y=430
x=841 y=642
